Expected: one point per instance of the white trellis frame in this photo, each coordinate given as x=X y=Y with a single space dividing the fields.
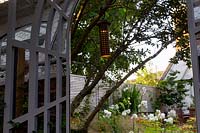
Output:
x=65 y=16
x=194 y=30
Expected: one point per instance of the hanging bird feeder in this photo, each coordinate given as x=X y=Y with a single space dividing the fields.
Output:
x=104 y=38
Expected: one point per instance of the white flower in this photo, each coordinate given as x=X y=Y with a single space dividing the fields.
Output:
x=169 y=120
x=126 y=112
x=144 y=90
x=116 y=106
x=125 y=89
x=134 y=116
x=130 y=132
x=162 y=116
x=107 y=113
x=172 y=113
x=151 y=117
x=112 y=107
x=158 y=112
x=144 y=116
x=144 y=105
x=155 y=118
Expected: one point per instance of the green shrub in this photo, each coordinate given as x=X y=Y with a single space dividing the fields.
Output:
x=172 y=91
x=130 y=99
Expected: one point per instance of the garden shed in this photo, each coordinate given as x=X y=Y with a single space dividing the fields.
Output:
x=184 y=73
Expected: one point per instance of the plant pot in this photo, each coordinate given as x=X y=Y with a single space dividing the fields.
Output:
x=192 y=112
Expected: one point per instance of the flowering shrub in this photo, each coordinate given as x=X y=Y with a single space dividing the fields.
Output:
x=127 y=104
x=112 y=120
x=107 y=114
x=126 y=112
x=156 y=123
x=172 y=113
x=109 y=120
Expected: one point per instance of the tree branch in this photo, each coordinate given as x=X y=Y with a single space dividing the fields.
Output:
x=78 y=17
x=83 y=38
x=109 y=92
x=87 y=89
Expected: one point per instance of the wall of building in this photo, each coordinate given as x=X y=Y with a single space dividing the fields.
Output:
x=184 y=73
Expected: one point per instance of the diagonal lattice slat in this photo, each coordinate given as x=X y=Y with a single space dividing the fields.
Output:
x=56 y=48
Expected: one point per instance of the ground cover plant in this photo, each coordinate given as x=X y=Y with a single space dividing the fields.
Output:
x=119 y=117
x=156 y=122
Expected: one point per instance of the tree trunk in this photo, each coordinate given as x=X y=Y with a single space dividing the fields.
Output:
x=87 y=89
x=78 y=99
x=109 y=92
x=93 y=23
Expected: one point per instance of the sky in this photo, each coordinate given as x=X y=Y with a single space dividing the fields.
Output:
x=160 y=62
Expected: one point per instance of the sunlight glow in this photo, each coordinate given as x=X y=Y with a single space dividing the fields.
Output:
x=2 y=1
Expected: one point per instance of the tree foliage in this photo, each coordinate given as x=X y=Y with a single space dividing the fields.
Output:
x=172 y=91
x=134 y=23
x=181 y=32
x=146 y=77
